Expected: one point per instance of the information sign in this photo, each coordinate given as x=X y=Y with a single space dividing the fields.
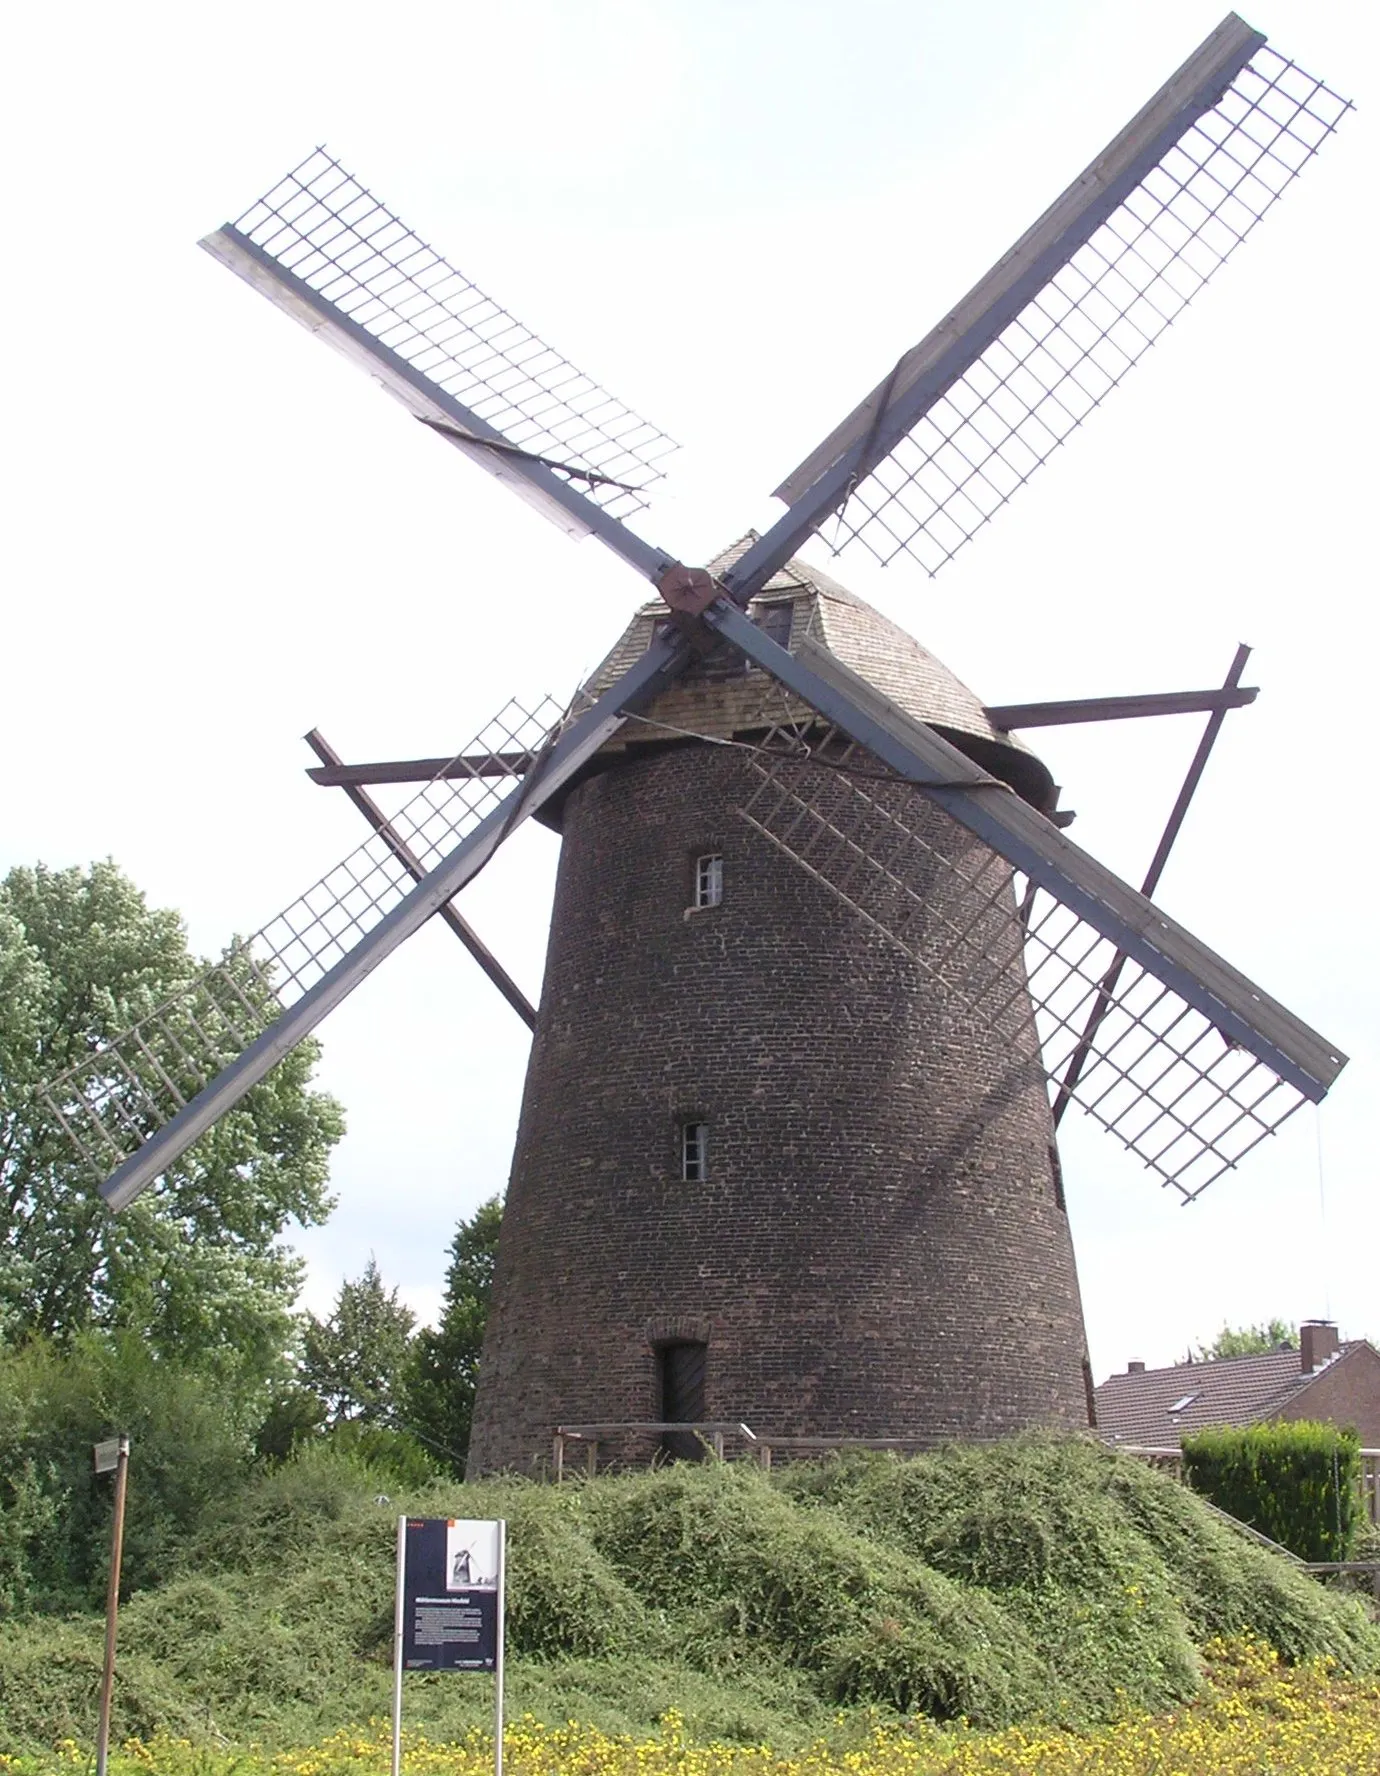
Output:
x=448 y=1611
x=450 y=1594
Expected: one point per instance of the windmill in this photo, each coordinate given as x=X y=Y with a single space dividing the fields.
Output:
x=825 y=968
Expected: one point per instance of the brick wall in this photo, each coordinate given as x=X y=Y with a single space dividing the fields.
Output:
x=1347 y=1392
x=878 y=1249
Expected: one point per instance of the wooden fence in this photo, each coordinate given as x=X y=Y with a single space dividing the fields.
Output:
x=1168 y=1459
x=710 y=1432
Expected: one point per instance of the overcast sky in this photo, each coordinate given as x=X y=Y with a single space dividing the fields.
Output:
x=735 y=216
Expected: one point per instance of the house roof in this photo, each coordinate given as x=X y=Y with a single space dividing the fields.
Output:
x=1137 y=1407
x=874 y=647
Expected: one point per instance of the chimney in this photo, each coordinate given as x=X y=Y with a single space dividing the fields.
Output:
x=1135 y=1368
x=1317 y=1342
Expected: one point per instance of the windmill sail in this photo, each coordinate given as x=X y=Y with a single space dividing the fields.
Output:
x=141 y=1101
x=1191 y=1064
x=1159 y=1074
x=116 y=1099
x=960 y=423
x=322 y=247
x=967 y=415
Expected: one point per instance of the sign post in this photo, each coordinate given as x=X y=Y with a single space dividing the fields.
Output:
x=498 y=1645
x=113 y=1454
x=399 y=1604
x=449 y=1607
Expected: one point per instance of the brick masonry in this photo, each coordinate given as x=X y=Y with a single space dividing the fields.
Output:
x=1346 y=1392
x=879 y=1249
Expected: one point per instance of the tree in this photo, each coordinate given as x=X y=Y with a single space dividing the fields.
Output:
x=189 y=1431
x=354 y=1359
x=438 y=1395
x=1247 y=1341
x=195 y=1266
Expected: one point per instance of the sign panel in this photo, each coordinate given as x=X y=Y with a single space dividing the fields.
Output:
x=105 y=1457
x=450 y=1594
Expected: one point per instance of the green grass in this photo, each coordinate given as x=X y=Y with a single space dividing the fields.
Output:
x=1039 y=1578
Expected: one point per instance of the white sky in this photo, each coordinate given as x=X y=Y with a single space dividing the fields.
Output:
x=735 y=216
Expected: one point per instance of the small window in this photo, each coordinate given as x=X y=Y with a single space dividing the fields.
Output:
x=1181 y=1402
x=1057 y=1170
x=694 y=1152
x=774 y=620
x=709 y=880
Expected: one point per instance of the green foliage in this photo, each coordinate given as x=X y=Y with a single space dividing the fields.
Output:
x=755 y=1569
x=354 y=1359
x=1247 y=1341
x=1115 y=1571
x=189 y=1435
x=1298 y=1483
x=438 y=1389
x=195 y=1267
x=296 y=1416
x=1042 y=1577
x=395 y=1456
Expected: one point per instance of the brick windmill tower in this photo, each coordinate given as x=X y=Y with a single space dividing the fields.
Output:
x=824 y=968
x=767 y=1167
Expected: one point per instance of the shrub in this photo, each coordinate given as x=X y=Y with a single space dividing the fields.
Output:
x=1042 y=1577
x=1298 y=1483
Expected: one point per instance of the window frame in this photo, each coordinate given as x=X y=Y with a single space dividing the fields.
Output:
x=693 y=1142
x=706 y=885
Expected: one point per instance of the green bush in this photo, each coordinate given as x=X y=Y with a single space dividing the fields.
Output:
x=190 y=1456
x=747 y=1570
x=1298 y=1483
x=1043 y=1577
x=1116 y=1572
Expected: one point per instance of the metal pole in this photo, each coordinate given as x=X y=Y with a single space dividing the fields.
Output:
x=1106 y=990
x=498 y=1647
x=112 y=1607
x=398 y=1648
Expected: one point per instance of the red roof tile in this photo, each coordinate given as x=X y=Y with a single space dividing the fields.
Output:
x=1136 y=1408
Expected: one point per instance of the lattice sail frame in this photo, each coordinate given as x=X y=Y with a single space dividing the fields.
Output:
x=1096 y=317
x=111 y=1102
x=321 y=224
x=1158 y=1074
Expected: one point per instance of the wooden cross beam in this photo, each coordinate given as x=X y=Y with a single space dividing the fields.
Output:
x=1102 y=709
x=1106 y=990
x=376 y=817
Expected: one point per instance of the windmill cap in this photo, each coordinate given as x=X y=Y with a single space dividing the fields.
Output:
x=724 y=703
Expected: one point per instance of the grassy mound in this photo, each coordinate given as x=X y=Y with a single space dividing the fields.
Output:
x=1036 y=1579
x=1116 y=1573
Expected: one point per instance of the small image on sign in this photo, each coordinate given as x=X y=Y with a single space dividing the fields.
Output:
x=471 y=1555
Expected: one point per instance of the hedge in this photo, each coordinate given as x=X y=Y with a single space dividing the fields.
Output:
x=1298 y=1483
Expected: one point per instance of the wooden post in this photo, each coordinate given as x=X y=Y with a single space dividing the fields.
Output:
x=112 y=1594
x=558 y=1456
